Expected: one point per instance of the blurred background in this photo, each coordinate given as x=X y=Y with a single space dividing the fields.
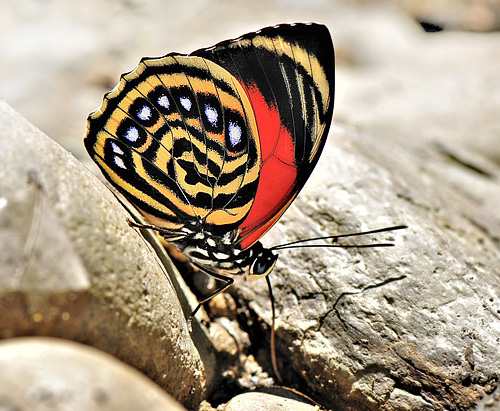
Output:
x=59 y=57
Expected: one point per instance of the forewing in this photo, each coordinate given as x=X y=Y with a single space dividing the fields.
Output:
x=287 y=72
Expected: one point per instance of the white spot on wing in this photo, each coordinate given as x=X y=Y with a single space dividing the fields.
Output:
x=211 y=242
x=145 y=113
x=186 y=103
x=132 y=134
x=119 y=162
x=164 y=101
x=234 y=133
x=116 y=149
x=212 y=115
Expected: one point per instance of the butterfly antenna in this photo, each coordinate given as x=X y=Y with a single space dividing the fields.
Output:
x=273 y=332
x=299 y=243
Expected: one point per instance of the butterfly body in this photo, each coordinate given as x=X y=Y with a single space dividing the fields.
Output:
x=212 y=147
x=220 y=255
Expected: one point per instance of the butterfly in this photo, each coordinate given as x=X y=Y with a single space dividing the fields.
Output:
x=213 y=146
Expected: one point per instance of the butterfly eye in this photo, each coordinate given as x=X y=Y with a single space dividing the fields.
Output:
x=263 y=264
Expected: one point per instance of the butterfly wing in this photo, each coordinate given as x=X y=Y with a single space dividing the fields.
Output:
x=178 y=138
x=287 y=72
x=224 y=138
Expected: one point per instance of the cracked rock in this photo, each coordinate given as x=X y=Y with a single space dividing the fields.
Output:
x=413 y=326
x=131 y=309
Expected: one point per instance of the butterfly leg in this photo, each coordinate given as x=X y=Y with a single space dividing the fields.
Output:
x=167 y=234
x=228 y=281
x=145 y=226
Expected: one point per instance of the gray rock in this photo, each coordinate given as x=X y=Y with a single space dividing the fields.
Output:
x=490 y=402
x=480 y=15
x=44 y=287
x=133 y=311
x=417 y=88
x=40 y=373
x=415 y=141
x=280 y=400
x=415 y=326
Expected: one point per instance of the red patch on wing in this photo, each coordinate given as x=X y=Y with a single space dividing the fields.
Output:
x=277 y=175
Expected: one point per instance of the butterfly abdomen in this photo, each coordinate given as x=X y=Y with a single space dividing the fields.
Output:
x=216 y=254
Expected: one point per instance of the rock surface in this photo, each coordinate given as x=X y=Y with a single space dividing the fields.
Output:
x=269 y=402
x=415 y=141
x=490 y=402
x=413 y=327
x=133 y=311
x=44 y=286
x=414 y=324
x=40 y=373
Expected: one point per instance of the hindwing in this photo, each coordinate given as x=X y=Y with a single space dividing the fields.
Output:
x=177 y=136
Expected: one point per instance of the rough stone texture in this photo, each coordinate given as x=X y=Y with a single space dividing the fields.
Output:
x=44 y=287
x=490 y=402
x=415 y=141
x=416 y=326
x=40 y=373
x=133 y=311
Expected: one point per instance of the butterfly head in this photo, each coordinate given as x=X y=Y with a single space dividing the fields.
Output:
x=262 y=262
